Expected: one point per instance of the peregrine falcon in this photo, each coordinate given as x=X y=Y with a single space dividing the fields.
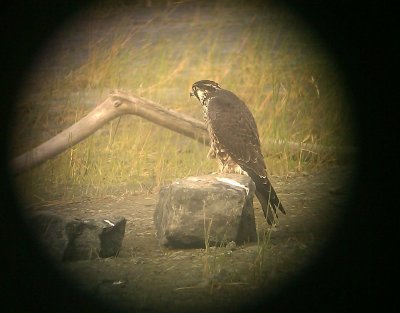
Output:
x=235 y=142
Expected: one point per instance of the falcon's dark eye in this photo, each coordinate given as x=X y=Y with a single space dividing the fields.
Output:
x=193 y=92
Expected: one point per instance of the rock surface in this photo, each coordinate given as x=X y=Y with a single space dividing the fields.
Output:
x=69 y=239
x=210 y=209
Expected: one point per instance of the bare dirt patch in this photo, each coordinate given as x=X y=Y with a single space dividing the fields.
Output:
x=148 y=277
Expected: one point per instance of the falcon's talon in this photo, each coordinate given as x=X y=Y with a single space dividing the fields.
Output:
x=235 y=142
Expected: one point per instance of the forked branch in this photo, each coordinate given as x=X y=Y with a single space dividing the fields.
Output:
x=120 y=103
x=117 y=104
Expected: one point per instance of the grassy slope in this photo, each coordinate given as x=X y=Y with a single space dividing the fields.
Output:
x=264 y=56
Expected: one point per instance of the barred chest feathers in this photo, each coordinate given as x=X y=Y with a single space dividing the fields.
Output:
x=226 y=164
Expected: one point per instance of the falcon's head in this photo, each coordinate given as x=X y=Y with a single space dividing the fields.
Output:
x=204 y=89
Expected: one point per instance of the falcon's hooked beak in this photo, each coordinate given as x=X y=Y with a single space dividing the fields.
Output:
x=191 y=94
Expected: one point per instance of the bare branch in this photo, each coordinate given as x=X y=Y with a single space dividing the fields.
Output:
x=120 y=103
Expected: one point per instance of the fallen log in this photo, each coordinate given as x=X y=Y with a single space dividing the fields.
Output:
x=119 y=103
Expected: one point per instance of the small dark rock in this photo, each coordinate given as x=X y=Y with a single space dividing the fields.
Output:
x=67 y=239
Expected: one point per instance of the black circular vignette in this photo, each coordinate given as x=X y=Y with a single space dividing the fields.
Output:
x=348 y=274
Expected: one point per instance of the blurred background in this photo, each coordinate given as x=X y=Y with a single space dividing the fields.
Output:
x=264 y=53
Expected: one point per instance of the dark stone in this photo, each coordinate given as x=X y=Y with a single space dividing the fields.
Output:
x=68 y=239
x=212 y=208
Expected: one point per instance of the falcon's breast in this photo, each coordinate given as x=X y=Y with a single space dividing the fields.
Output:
x=233 y=134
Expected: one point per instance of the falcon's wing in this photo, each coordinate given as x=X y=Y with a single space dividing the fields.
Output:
x=236 y=130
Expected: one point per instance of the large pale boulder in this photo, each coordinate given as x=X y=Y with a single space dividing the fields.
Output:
x=210 y=209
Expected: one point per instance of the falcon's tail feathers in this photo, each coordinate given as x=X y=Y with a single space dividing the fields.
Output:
x=268 y=198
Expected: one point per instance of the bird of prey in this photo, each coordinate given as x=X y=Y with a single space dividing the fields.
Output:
x=235 y=142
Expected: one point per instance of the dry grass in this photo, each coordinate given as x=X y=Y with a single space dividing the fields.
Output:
x=288 y=82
